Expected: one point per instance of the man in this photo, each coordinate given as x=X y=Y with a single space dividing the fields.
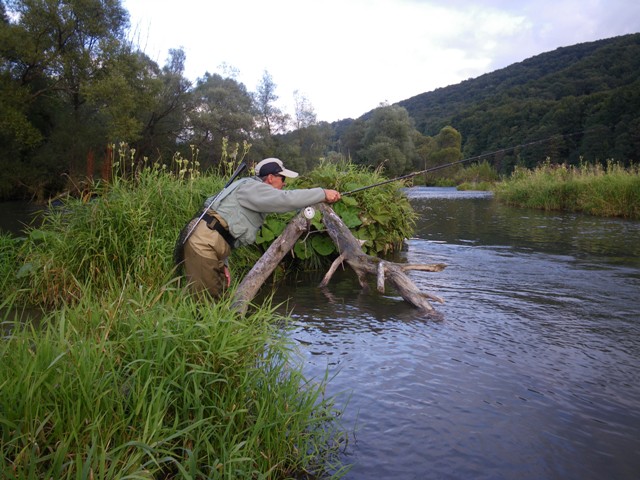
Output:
x=235 y=218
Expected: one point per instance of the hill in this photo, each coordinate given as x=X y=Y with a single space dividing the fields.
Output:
x=585 y=97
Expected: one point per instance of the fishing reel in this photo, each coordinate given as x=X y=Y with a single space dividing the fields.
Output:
x=309 y=213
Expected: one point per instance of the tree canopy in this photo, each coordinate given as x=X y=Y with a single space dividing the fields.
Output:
x=579 y=103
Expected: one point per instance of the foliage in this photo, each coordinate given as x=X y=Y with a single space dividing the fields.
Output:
x=71 y=82
x=381 y=216
x=577 y=102
x=9 y=247
x=480 y=175
x=145 y=382
x=127 y=375
x=605 y=191
x=222 y=109
x=127 y=229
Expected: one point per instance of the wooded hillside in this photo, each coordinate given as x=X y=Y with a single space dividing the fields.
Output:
x=592 y=88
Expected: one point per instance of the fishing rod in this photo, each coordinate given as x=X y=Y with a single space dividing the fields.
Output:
x=450 y=164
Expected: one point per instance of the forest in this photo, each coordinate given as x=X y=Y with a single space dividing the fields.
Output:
x=75 y=90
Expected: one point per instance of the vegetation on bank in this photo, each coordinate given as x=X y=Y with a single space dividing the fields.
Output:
x=143 y=381
x=612 y=191
x=126 y=375
x=127 y=228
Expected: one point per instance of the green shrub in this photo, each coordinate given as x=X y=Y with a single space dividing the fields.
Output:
x=380 y=216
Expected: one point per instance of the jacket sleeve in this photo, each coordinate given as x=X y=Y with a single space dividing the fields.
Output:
x=260 y=197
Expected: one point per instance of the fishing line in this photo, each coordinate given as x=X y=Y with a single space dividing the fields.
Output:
x=470 y=159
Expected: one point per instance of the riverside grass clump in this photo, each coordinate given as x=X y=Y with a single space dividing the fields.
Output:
x=127 y=229
x=610 y=190
x=145 y=382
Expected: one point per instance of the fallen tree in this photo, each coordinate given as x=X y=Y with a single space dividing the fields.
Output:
x=350 y=249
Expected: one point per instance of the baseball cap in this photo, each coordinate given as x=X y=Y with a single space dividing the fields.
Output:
x=273 y=166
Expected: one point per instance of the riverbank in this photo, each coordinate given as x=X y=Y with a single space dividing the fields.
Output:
x=125 y=374
x=609 y=191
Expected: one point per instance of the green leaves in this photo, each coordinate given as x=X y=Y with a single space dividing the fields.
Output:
x=382 y=216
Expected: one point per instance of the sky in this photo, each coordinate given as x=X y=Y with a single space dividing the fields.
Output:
x=346 y=57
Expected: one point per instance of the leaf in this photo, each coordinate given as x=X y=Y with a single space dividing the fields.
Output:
x=265 y=235
x=382 y=218
x=323 y=245
x=37 y=235
x=26 y=270
x=349 y=201
x=276 y=225
x=302 y=250
x=351 y=219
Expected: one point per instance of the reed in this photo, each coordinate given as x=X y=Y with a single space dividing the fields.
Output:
x=610 y=190
x=148 y=383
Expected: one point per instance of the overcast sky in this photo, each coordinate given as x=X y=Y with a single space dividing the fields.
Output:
x=348 y=56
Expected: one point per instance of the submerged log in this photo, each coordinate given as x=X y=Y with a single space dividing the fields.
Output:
x=350 y=249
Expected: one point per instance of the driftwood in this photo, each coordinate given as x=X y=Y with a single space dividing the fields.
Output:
x=351 y=252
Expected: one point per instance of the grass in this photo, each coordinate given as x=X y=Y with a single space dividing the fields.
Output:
x=152 y=384
x=610 y=190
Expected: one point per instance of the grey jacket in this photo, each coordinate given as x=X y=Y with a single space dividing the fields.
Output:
x=245 y=204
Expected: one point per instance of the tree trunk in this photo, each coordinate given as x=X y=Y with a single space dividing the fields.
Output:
x=350 y=250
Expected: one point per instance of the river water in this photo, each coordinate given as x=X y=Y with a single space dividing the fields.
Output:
x=529 y=371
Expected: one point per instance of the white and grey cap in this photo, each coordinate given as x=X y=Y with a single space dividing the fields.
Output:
x=273 y=166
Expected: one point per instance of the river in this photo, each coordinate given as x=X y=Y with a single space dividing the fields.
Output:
x=530 y=371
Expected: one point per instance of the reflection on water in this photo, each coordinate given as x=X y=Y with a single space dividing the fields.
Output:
x=15 y=216
x=532 y=372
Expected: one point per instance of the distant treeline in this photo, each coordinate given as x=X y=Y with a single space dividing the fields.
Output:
x=73 y=88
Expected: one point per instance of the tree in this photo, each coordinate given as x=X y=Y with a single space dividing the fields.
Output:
x=51 y=52
x=305 y=115
x=388 y=138
x=270 y=119
x=171 y=102
x=222 y=108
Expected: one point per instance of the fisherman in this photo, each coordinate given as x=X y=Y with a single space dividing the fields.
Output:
x=234 y=219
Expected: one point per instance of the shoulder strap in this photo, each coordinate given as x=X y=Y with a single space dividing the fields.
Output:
x=227 y=191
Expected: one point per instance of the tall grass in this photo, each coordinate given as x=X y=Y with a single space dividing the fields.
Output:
x=476 y=176
x=125 y=229
x=145 y=383
x=610 y=190
x=126 y=375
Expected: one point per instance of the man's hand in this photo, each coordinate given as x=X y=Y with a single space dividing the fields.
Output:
x=331 y=196
x=227 y=275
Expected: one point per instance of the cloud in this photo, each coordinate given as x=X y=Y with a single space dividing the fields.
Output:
x=347 y=56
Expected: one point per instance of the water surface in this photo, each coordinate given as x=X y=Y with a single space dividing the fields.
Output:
x=531 y=370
